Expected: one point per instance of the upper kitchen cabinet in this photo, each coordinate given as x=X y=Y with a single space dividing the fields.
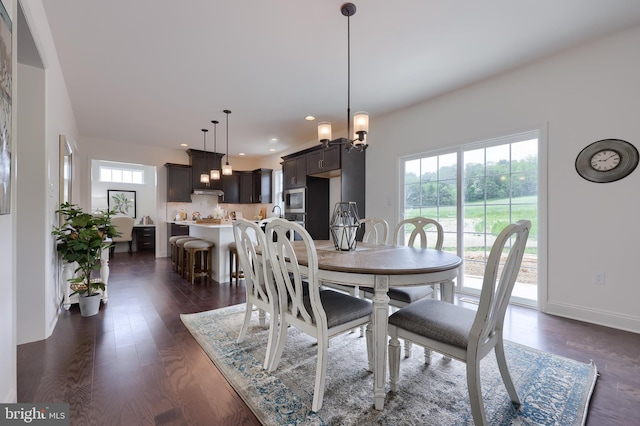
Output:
x=323 y=160
x=231 y=188
x=178 y=183
x=262 y=186
x=246 y=187
x=201 y=163
x=294 y=170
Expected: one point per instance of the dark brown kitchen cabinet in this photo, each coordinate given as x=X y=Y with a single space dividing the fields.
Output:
x=201 y=163
x=294 y=169
x=262 y=186
x=246 y=187
x=178 y=183
x=178 y=229
x=231 y=188
x=323 y=160
x=321 y=165
x=145 y=237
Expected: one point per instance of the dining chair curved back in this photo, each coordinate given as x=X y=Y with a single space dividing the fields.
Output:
x=420 y=230
x=124 y=227
x=376 y=230
x=260 y=287
x=320 y=313
x=461 y=333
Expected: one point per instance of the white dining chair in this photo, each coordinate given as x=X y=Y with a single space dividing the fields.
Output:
x=461 y=333
x=322 y=314
x=260 y=287
x=376 y=230
x=124 y=227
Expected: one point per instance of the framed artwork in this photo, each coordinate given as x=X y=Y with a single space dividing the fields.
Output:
x=6 y=79
x=66 y=169
x=123 y=202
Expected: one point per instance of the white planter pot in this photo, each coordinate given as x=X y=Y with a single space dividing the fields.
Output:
x=89 y=305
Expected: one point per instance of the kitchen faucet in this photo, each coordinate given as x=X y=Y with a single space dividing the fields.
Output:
x=279 y=210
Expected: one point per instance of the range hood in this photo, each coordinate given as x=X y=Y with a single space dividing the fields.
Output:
x=214 y=192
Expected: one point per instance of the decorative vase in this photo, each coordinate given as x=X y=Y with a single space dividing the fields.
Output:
x=344 y=225
x=89 y=305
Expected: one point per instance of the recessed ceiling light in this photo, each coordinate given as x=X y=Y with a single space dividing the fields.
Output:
x=184 y=144
x=272 y=150
x=241 y=153
x=273 y=140
x=309 y=118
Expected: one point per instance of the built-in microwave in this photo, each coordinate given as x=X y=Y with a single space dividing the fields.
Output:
x=294 y=201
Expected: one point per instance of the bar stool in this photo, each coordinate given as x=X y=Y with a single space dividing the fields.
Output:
x=179 y=245
x=172 y=250
x=234 y=264
x=198 y=259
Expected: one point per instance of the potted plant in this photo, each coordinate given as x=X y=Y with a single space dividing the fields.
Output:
x=80 y=240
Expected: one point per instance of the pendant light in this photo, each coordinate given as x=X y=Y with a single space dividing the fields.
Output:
x=226 y=168
x=360 y=119
x=215 y=173
x=204 y=176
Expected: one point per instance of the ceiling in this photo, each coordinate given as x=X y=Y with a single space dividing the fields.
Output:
x=155 y=72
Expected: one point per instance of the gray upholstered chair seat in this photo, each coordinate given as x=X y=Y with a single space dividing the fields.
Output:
x=437 y=320
x=406 y=295
x=339 y=307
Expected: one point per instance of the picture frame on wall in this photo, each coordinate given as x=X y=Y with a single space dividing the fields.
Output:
x=6 y=83
x=123 y=202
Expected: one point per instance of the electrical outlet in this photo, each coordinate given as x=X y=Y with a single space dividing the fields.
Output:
x=599 y=278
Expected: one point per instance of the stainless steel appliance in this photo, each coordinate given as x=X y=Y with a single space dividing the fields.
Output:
x=294 y=200
x=298 y=218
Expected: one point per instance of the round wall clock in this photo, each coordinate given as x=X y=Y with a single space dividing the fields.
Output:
x=607 y=160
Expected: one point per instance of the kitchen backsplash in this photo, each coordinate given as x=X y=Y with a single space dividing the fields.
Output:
x=205 y=204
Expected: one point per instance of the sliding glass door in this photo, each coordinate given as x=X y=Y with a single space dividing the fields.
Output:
x=475 y=191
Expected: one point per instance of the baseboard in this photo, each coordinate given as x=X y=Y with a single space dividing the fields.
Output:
x=594 y=316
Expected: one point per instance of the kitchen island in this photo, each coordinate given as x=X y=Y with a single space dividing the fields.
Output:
x=221 y=236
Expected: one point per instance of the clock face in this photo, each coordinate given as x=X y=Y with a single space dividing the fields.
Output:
x=607 y=160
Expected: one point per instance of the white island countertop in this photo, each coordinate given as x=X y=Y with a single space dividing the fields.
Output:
x=221 y=235
x=205 y=225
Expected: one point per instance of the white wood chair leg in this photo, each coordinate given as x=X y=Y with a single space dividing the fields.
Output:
x=475 y=391
x=504 y=372
x=261 y=317
x=277 y=353
x=369 y=334
x=245 y=324
x=394 y=363
x=427 y=356
x=273 y=329
x=407 y=348
x=321 y=373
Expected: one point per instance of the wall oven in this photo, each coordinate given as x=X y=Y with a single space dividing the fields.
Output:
x=294 y=200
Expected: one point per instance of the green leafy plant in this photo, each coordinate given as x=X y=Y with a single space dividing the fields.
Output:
x=81 y=239
x=121 y=203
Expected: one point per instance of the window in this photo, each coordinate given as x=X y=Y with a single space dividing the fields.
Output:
x=120 y=175
x=474 y=191
x=430 y=190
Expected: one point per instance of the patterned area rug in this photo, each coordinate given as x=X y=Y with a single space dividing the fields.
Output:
x=553 y=390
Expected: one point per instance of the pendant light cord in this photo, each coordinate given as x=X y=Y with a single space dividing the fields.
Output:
x=349 y=78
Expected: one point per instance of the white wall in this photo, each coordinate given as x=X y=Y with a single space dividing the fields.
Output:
x=583 y=95
x=8 y=388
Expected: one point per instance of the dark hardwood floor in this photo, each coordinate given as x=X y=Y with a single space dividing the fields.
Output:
x=136 y=364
